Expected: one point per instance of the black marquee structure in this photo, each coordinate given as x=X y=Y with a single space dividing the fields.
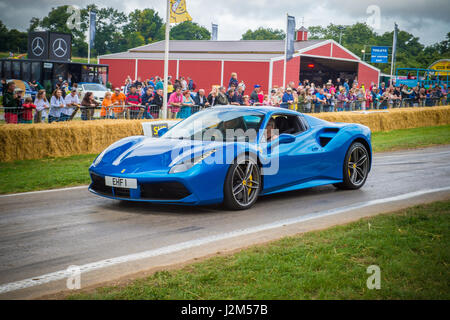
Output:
x=49 y=57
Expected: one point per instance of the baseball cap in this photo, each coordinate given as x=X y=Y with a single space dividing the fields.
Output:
x=257 y=86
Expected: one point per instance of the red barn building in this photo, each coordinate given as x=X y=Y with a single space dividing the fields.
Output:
x=260 y=62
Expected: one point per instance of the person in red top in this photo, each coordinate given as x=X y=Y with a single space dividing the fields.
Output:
x=133 y=98
x=28 y=106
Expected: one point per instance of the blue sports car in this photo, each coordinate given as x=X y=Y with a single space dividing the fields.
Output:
x=232 y=155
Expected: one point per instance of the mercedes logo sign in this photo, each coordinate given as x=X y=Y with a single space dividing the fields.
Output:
x=60 y=47
x=37 y=46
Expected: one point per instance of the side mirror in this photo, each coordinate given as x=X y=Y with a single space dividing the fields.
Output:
x=162 y=131
x=286 y=138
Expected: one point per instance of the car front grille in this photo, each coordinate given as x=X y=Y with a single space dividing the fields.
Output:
x=151 y=191
x=121 y=192
x=98 y=185
x=164 y=191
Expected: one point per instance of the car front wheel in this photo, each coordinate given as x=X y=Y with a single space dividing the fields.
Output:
x=242 y=183
x=356 y=167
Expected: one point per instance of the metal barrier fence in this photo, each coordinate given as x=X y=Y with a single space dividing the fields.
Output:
x=22 y=115
x=337 y=106
x=154 y=111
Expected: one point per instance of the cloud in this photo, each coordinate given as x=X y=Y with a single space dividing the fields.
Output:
x=425 y=19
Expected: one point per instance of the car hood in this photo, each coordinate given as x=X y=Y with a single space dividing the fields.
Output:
x=155 y=154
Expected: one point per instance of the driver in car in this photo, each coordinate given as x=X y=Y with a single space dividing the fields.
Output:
x=271 y=132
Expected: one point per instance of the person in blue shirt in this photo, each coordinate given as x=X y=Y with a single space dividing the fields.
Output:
x=159 y=84
x=287 y=99
x=151 y=83
x=320 y=100
x=191 y=84
x=346 y=86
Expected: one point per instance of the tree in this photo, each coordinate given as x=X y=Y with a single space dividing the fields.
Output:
x=34 y=24
x=264 y=34
x=189 y=30
x=135 y=39
x=108 y=35
x=410 y=52
x=12 y=40
x=147 y=22
x=3 y=37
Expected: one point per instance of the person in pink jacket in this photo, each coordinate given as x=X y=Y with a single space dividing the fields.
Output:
x=175 y=102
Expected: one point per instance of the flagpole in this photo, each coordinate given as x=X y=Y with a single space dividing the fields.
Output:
x=89 y=37
x=394 y=50
x=285 y=52
x=166 y=61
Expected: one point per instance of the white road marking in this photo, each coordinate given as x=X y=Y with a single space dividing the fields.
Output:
x=43 y=191
x=60 y=275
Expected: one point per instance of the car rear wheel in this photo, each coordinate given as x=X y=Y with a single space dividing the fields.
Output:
x=356 y=167
x=242 y=183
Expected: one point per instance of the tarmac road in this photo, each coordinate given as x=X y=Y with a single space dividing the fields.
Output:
x=43 y=233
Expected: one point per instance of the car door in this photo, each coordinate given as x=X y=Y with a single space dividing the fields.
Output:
x=288 y=164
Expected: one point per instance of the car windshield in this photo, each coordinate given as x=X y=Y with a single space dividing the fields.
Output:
x=218 y=125
x=94 y=87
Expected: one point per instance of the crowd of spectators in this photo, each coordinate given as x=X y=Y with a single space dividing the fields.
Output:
x=144 y=98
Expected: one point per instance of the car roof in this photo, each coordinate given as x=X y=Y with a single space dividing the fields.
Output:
x=264 y=109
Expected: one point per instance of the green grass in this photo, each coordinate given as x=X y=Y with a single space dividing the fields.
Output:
x=410 y=138
x=409 y=246
x=30 y=175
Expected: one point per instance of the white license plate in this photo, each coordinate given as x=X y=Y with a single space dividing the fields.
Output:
x=121 y=182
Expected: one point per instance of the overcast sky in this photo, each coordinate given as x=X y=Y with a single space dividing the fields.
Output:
x=426 y=19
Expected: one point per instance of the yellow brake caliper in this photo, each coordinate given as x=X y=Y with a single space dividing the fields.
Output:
x=349 y=158
x=249 y=184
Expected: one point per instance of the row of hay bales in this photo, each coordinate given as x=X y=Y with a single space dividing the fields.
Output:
x=36 y=141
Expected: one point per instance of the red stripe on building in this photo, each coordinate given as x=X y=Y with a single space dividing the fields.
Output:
x=119 y=70
x=292 y=72
x=340 y=53
x=367 y=75
x=204 y=73
x=323 y=51
x=151 y=68
x=252 y=72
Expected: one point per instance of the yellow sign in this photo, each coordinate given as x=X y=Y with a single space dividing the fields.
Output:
x=157 y=127
x=441 y=65
x=178 y=12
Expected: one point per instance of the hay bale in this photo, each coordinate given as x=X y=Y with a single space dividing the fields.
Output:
x=40 y=140
x=394 y=119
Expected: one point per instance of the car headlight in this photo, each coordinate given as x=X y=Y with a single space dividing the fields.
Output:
x=188 y=164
